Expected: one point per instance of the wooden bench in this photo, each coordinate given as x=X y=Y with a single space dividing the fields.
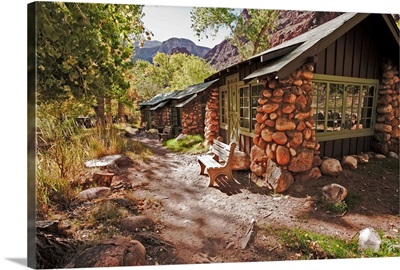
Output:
x=219 y=163
x=165 y=134
x=143 y=127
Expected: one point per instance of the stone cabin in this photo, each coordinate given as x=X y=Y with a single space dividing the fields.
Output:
x=184 y=110
x=332 y=91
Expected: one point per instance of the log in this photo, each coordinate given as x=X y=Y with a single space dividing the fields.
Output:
x=103 y=179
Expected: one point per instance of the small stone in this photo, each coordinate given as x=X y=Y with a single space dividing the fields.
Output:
x=93 y=193
x=349 y=162
x=380 y=156
x=279 y=137
x=393 y=155
x=331 y=167
x=309 y=204
x=282 y=155
x=283 y=124
x=136 y=222
x=230 y=245
x=363 y=158
x=334 y=192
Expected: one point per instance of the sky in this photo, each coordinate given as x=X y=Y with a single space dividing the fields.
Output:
x=13 y=202
x=174 y=21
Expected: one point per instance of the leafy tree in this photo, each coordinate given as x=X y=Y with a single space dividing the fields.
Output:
x=249 y=29
x=83 y=52
x=168 y=73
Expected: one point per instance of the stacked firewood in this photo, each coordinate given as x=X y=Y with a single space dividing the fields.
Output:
x=284 y=128
x=211 y=118
x=387 y=131
x=191 y=119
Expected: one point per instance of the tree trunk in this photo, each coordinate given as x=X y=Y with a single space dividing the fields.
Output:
x=99 y=109
x=121 y=112
x=108 y=111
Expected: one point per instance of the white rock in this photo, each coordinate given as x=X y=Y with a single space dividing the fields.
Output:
x=393 y=155
x=103 y=161
x=369 y=239
x=380 y=156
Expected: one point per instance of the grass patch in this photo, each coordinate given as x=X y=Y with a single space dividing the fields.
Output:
x=347 y=204
x=309 y=245
x=108 y=212
x=65 y=147
x=192 y=144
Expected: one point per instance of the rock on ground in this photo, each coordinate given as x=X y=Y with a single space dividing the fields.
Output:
x=349 y=162
x=334 y=192
x=331 y=167
x=369 y=239
x=111 y=253
x=93 y=193
x=136 y=222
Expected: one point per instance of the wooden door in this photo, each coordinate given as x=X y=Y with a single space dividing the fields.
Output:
x=233 y=124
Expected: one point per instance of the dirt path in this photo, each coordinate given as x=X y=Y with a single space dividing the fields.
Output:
x=206 y=224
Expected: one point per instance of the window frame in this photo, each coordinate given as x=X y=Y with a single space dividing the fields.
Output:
x=222 y=124
x=344 y=134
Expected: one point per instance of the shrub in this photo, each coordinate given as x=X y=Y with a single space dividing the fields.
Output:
x=188 y=144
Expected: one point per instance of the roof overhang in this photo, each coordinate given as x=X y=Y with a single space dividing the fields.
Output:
x=159 y=105
x=186 y=101
x=306 y=46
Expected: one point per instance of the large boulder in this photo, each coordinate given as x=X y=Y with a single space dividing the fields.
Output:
x=331 y=167
x=280 y=180
x=240 y=161
x=312 y=174
x=114 y=252
x=303 y=161
x=257 y=169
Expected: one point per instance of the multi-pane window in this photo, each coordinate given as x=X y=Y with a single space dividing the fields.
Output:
x=224 y=107
x=244 y=103
x=255 y=95
x=343 y=106
x=248 y=101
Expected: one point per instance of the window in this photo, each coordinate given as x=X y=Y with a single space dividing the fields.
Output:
x=244 y=103
x=255 y=95
x=224 y=107
x=343 y=106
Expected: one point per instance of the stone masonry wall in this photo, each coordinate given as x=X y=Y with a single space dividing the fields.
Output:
x=211 y=121
x=192 y=122
x=387 y=133
x=285 y=145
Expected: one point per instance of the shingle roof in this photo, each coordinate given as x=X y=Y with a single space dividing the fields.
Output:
x=178 y=94
x=303 y=44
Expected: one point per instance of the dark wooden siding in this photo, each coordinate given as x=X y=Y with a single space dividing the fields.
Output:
x=224 y=134
x=344 y=147
x=245 y=143
x=352 y=55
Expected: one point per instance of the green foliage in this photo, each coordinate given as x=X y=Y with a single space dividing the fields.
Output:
x=108 y=212
x=249 y=29
x=63 y=149
x=309 y=245
x=189 y=144
x=351 y=200
x=84 y=50
x=168 y=73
